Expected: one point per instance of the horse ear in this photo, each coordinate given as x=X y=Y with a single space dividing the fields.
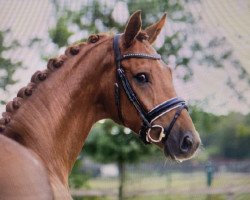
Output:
x=154 y=30
x=133 y=28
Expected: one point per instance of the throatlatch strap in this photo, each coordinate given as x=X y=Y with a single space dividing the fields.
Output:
x=132 y=96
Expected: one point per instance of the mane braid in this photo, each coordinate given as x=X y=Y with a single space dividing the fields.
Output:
x=40 y=76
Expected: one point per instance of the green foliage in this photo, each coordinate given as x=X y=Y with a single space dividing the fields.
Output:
x=243 y=130
x=76 y=178
x=60 y=33
x=235 y=136
x=108 y=142
x=205 y=123
x=91 y=198
x=181 y=197
x=226 y=136
x=7 y=66
x=96 y=16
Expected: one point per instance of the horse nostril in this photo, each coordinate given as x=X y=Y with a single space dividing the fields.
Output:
x=186 y=144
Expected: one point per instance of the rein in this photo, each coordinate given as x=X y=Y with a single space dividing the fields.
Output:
x=147 y=117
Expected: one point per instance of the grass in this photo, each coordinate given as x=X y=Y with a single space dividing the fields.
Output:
x=195 y=197
x=181 y=186
x=180 y=197
x=177 y=197
x=186 y=181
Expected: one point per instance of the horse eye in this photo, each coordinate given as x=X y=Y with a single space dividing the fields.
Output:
x=141 y=78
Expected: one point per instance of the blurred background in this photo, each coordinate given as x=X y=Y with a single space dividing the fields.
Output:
x=206 y=42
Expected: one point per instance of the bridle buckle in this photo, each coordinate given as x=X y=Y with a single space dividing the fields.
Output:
x=149 y=138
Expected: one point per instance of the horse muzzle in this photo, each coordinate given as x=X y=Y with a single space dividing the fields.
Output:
x=182 y=146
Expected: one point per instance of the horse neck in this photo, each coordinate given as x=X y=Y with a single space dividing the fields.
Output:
x=55 y=121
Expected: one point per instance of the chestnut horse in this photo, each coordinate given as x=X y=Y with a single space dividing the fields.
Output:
x=118 y=77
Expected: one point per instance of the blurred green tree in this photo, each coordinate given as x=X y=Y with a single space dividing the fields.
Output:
x=234 y=134
x=224 y=136
x=183 y=45
x=109 y=143
x=76 y=178
x=7 y=65
x=60 y=33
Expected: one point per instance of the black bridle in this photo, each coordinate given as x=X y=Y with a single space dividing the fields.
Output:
x=146 y=117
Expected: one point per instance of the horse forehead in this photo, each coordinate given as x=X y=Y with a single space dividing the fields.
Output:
x=137 y=65
x=141 y=47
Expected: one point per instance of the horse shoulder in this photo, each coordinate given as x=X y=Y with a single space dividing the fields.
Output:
x=22 y=175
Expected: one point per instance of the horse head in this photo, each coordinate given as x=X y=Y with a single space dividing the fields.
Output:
x=144 y=95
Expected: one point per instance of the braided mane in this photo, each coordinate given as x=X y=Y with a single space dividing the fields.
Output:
x=40 y=76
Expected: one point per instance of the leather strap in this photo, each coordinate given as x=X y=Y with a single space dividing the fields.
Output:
x=164 y=107
x=168 y=129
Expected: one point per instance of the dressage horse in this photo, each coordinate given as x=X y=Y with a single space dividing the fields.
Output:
x=120 y=77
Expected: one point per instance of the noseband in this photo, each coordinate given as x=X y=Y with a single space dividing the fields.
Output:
x=147 y=117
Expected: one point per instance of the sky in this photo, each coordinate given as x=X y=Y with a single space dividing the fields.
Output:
x=229 y=18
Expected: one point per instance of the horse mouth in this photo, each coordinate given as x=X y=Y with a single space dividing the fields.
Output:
x=168 y=153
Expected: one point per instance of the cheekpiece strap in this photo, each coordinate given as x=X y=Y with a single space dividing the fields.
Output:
x=121 y=77
x=118 y=56
x=170 y=126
